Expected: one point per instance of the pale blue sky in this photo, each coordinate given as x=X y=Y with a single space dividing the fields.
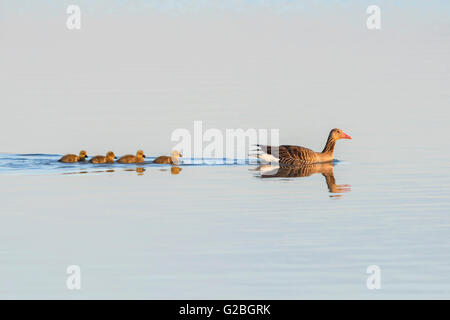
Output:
x=138 y=70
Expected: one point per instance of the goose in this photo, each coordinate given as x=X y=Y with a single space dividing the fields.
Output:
x=110 y=156
x=296 y=155
x=73 y=157
x=138 y=158
x=173 y=159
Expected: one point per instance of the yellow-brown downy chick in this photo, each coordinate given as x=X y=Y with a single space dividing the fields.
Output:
x=138 y=158
x=74 y=158
x=173 y=159
x=109 y=158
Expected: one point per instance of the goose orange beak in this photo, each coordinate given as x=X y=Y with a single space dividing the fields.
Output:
x=345 y=136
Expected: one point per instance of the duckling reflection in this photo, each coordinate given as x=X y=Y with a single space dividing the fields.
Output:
x=326 y=169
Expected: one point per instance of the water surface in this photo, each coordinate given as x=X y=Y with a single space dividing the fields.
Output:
x=222 y=231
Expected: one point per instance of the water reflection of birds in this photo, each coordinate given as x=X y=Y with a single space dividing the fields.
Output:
x=139 y=170
x=326 y=169
x=94 y=171
x=173 y=170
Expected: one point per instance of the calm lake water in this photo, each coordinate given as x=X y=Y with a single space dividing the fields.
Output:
x=208 y=230
x=223 y=231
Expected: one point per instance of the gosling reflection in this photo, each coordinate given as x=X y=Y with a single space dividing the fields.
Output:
x=326 y=169
x=139 y=170
x=175 y=170
x=78 y=172
x=93 y=171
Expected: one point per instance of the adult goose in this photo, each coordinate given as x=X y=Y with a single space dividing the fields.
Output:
x=295 y=155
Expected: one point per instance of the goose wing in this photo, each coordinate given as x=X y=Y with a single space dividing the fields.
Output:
x=292 y=155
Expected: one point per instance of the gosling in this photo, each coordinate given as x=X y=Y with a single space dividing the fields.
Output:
x=102 y=159
x=138 y=158
x=74 y=158
x=173 y=159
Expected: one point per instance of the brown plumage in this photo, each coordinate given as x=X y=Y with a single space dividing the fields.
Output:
x=102 y=159
x=163 y=160
x=295 y=155
x=138 y=158
x=73 y=157
x=173 y=159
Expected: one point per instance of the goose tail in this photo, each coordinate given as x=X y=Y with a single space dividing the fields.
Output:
x=264 y=156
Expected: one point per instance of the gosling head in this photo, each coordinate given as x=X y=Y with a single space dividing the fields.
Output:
x=175 y=154
x=110 y=156
x=140 y=153
x=83 y=154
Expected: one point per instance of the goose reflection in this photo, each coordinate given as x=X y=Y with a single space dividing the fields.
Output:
x=326 y=169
